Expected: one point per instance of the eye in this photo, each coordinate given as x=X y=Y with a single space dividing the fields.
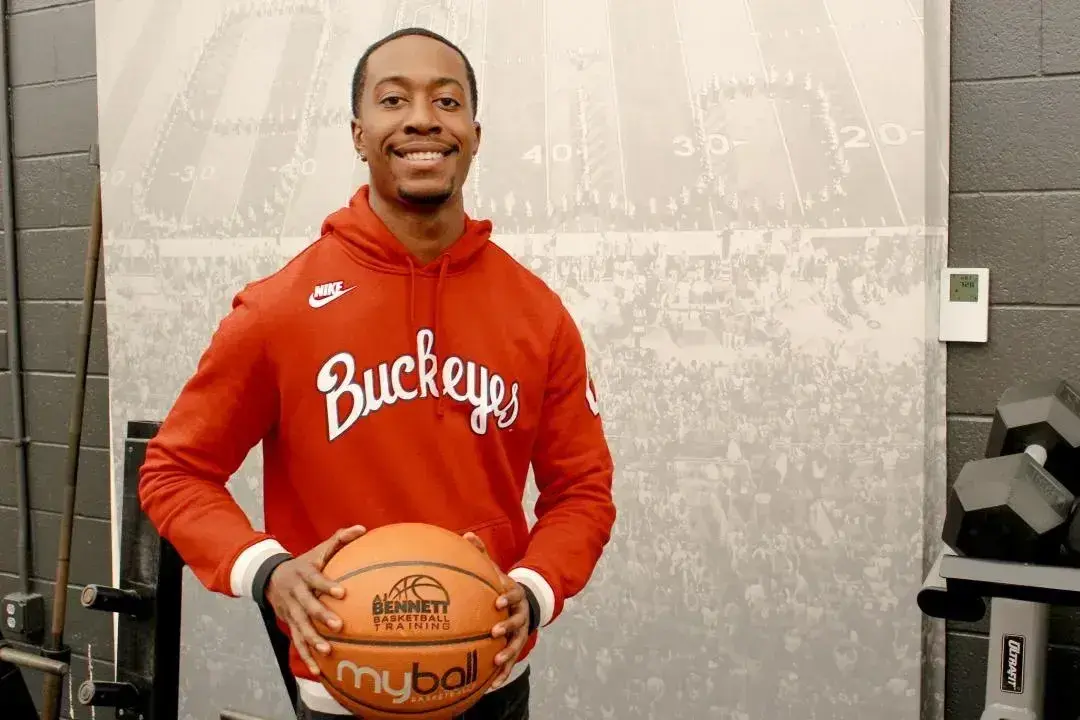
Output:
x=448 y=102
x=391 y=100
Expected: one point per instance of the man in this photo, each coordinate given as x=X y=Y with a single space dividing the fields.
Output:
x=402 y=368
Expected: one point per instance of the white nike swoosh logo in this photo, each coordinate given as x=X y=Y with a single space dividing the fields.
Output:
x=320 y=302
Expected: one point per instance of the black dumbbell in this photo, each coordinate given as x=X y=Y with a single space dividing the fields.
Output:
x=1019 y=504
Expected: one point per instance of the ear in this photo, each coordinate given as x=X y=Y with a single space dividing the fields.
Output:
x=478 y=130
x=357 y=132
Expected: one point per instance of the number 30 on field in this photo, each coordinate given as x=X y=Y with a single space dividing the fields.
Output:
x=714 y=145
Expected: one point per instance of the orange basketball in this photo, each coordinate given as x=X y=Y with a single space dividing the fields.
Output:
x=416 y=618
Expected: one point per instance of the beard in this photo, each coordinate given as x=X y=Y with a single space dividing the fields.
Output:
x=433 y=199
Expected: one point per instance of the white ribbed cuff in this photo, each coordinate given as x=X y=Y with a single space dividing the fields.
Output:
x=248 y=563
x=545 y=596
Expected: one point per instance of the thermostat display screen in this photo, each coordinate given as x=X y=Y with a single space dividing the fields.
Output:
x=963 y=288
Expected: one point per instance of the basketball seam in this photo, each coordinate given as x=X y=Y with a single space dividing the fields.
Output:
x=407 y=563
x=399 y=643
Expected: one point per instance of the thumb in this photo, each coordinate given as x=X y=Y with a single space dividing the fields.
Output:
x=349 y=534
x=341 y=538
x=476 y=542
x=479 y=545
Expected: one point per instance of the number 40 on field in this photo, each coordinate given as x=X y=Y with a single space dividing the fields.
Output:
x=559 y=153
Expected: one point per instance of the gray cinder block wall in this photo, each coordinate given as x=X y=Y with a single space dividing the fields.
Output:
x=1014 y=208
x=54 y=122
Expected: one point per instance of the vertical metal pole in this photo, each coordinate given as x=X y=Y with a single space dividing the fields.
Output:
x=55 y=643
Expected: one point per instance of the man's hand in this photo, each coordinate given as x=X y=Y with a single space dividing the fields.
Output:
x=294 y=588
x=515 y=628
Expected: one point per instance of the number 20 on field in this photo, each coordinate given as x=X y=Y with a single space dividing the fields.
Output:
x=853 y=136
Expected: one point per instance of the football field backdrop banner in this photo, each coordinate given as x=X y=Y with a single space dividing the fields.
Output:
x=743 y=204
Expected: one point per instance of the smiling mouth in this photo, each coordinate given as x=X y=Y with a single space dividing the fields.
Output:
x=425 y=156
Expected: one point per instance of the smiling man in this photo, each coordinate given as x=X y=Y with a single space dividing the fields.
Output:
x=403 y=368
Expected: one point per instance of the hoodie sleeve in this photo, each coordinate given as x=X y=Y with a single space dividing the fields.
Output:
x=573 y=469
x=224 y=409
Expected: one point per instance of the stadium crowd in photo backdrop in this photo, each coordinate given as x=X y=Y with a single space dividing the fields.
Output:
x=563 y=409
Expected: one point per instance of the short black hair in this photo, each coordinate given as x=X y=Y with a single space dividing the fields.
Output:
x=360 y=73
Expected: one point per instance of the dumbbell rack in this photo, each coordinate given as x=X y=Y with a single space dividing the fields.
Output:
x=1020 y=597
x=1044 y=584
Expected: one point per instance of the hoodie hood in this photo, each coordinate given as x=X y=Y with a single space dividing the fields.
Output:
x=376 y=247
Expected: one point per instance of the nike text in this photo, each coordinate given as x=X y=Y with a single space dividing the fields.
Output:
x=327 y=293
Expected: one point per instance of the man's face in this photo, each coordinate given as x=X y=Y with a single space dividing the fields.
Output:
x=415 y=122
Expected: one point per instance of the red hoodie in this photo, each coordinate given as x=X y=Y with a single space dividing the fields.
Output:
x=387 y=391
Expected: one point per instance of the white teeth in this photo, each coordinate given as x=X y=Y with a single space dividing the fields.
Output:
x=423 y=156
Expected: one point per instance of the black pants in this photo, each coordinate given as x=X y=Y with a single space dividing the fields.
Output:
x=510 y=702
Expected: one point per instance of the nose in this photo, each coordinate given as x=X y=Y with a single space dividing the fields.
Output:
x=422 y=120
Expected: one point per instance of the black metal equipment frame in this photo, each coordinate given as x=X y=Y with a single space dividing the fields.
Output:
x=147 y=603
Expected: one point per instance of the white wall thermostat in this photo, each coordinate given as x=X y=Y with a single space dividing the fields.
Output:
x=965 y=305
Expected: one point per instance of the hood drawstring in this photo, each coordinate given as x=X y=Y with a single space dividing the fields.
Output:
x=368 y=240
x=412 y=295
x=444 y=263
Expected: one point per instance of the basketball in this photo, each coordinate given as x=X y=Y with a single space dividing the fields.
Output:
x=416 y=618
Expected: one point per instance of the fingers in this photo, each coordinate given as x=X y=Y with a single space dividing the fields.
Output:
x=315 y=609
x=302 y=621
x=500 y=678
x=300 y=642
x=515 y=643
x=294 y=590
x=340 y=539
x=296 y=604
x=514 y=596
x=515 y=629
x=518 y=620
x=479 y=545
x=322 y=584
x=302 y=608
